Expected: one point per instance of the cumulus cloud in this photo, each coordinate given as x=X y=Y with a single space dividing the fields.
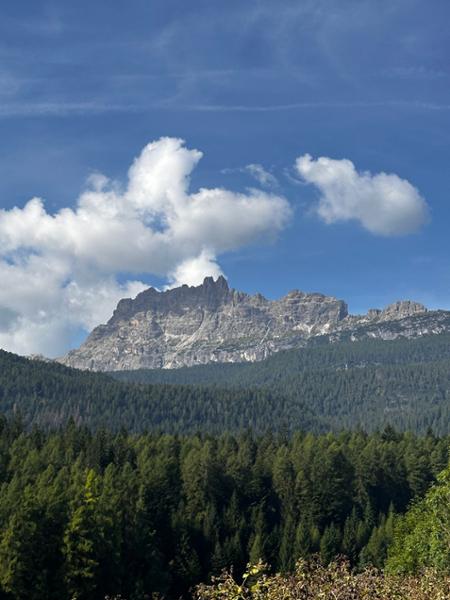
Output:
x=66 y=270
x=193 y=270
x=383 y=203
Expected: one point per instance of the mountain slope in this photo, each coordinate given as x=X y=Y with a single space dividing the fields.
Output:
x=368 y=384
x=212 y=323
x=404 y=382
x=320 y=355
x=48 y=394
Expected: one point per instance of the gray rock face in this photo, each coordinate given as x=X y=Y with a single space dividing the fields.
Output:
x=213 y=323
x=401 y=309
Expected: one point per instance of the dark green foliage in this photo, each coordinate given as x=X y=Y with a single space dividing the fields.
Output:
x=92 y=514
x=369 y=384
x=421 y=538
x=405 y=382
x=48 y=394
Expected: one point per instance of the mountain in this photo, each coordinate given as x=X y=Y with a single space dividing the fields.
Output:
x=209 y=323
x=370 y=383
x=47 y=395
x=365 y=384
x=424 y=353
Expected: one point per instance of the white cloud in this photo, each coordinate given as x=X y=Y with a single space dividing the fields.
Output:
x=257 y=172
x=192 y=271
x=60 y=272
x=262 y=176
x=383 y=203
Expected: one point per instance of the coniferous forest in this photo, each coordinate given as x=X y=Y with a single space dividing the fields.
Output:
x=88 y=515
x=367 y=385
x=156 y=481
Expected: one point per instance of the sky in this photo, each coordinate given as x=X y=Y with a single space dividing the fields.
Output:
x=287 y=145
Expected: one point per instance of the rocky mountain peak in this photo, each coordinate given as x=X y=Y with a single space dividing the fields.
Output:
x=210 y=322
x=403 y=308
x=210 y=293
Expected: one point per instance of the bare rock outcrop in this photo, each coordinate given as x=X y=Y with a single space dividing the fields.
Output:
x=211 y=322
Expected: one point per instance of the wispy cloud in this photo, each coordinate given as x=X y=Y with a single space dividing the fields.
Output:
x=257 y=172
x=47 y=24
x=62 y=109
x=261 y=175
x=292 y=57
x=394 y=104
x=414 y=72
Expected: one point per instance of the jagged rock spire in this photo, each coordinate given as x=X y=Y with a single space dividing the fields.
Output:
x=212 y=322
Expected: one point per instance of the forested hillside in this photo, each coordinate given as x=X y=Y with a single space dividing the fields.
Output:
x=86 y=515
x=114 y=488
x=48 y=394
x=319 y=355
x=405 y=383
x=345 y=385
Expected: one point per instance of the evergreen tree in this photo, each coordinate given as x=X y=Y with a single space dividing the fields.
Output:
x=22 y=547
x=287 y=544
x=330 y=543
x=81 y=543
x=422 y=536
x=303 y=542
x=350 y=546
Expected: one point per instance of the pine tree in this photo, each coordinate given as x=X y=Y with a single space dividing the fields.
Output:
x=81 y=541
x=257 y=542
x=256 y=549
x=330 y=543
x=350 y=545
x=287 y=545
x=186 y=566
x=303 y=542
x=29 y=552
x=20 y=574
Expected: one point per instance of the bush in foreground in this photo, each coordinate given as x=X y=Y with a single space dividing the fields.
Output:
x=422 y=535
x=313 y=581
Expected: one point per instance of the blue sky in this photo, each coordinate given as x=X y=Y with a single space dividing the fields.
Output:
x=84 y=86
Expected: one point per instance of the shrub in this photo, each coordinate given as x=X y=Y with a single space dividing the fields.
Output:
x=314 y=581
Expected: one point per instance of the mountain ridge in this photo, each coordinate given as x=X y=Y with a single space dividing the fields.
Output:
x=212 y=322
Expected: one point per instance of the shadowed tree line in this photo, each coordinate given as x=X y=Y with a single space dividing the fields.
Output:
x=405 y=383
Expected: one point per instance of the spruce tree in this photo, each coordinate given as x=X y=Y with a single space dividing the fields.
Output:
x=81 y=543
